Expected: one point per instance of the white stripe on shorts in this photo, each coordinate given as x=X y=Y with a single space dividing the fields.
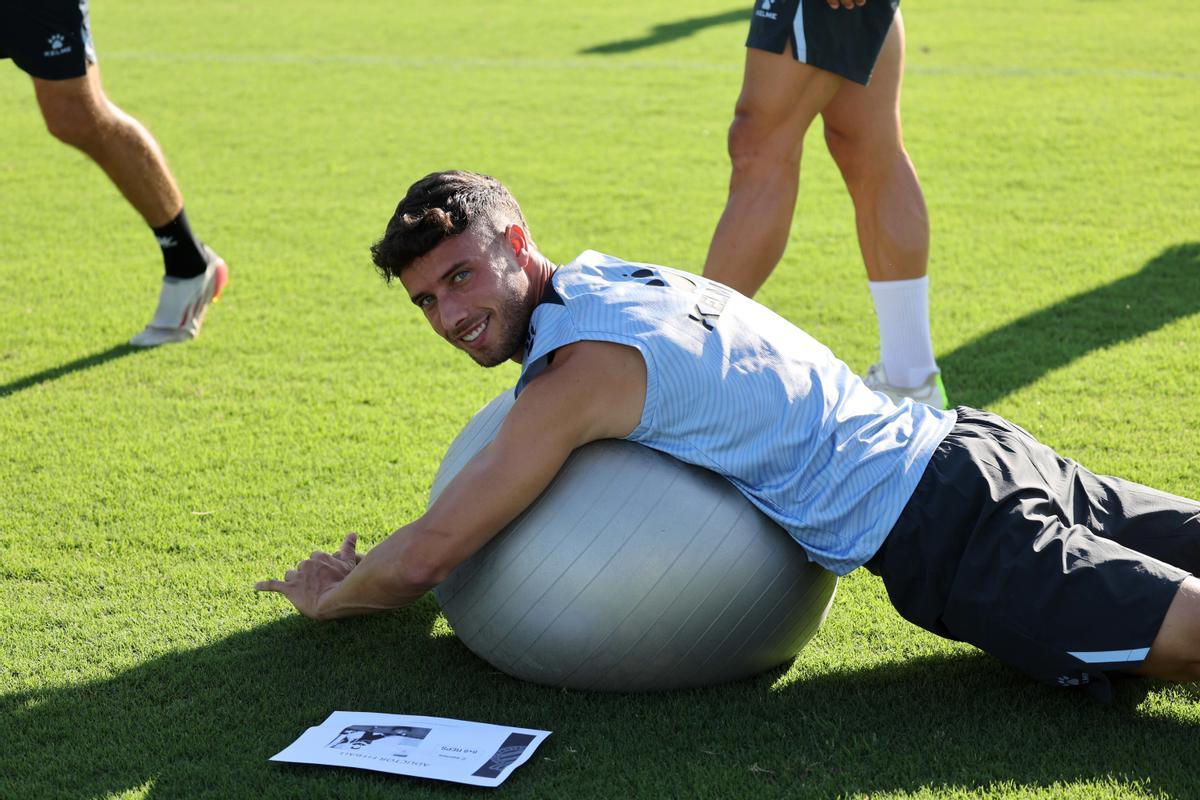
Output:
x=798 y=29
x=1111 y=656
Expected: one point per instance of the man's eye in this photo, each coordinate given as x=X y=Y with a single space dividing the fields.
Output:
x=426 y=302
x=460 y=276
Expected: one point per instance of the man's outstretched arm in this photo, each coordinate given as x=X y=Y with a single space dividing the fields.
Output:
x=593 y=390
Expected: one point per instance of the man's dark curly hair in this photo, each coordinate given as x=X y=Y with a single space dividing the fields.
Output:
x=438 y=206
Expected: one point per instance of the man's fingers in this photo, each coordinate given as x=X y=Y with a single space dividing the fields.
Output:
x=339 y=560
x=328 y=560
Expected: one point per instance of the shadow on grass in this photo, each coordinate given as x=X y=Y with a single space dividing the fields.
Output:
x=78 y=365
x=668 y=32
x=970 y=723
x=203 y=722
x=1012 y=357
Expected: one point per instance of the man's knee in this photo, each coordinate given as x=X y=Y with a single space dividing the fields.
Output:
x=779 y=100
x=756 y=141
x=842 y=145
x=76 y=111
x=76 y=125
x=863 y=155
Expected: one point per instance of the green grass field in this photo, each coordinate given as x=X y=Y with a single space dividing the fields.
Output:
x=142 y=493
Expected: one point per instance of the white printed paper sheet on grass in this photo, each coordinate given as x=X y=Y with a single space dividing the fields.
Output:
x=477 y=753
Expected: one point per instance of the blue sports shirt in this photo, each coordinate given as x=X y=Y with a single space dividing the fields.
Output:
x=737 y=389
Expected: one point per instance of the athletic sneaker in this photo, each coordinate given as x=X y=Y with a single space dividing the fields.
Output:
x=183 y=303
x=932 y=392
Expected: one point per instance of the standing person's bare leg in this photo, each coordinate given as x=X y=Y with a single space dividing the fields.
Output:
x=78 y=113
x=780 y=98
x=865 y=138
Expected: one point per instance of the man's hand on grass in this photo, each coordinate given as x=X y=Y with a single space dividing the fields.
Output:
x=315 y=577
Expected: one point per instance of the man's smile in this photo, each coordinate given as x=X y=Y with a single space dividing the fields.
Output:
x=473 y=332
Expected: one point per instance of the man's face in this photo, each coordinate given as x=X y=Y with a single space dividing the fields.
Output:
x=474 y=293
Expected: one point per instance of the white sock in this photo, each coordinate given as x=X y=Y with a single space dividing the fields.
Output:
x=905 y=345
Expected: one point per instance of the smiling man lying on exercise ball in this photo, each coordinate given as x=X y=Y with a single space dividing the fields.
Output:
x=980 y=533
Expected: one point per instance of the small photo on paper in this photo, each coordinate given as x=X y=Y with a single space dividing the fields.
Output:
x=391 y=740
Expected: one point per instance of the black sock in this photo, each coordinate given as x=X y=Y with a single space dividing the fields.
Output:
x=182 y=254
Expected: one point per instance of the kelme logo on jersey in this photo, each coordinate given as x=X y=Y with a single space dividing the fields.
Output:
x=765 y=10
x=711 y=304
x=58 y=46
x=712 y=299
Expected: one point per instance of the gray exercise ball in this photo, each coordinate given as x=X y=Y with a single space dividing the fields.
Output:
x=632 y=572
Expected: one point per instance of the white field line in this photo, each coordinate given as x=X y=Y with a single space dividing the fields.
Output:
x=601 y=64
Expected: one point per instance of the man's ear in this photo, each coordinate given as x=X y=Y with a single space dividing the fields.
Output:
x=518 y=239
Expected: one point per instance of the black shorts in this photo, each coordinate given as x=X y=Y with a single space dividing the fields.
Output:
x=48 y=39
x=844 y=41
x=1057 y=571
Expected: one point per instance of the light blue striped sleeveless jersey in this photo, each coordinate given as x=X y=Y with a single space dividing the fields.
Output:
x=737 y=389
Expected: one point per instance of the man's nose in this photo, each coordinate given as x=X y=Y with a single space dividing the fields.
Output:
x=453 y=313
